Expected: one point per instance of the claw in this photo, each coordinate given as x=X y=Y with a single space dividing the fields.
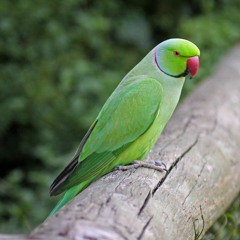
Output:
x=158 y=165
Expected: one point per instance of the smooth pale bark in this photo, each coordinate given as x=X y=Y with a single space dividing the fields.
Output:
x=200 y=147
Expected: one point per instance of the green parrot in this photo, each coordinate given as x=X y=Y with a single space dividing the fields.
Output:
x=132 y=118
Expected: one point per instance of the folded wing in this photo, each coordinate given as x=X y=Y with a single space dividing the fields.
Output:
x=126 y=115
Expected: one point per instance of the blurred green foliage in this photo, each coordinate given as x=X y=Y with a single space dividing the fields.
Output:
x=60 y=60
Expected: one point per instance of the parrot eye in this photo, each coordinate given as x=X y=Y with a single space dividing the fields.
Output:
x=176 y=53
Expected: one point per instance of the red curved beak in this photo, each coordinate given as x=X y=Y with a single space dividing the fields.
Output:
x=193 y=65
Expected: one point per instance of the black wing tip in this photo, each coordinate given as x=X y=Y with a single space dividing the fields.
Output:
x=62 y=177
x=57 y=185
x=52 y=194
x=53 y=191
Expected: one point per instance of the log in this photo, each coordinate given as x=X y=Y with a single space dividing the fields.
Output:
x=200 y=149
x=12 y=237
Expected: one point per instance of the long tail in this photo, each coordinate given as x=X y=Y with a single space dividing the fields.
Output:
x=69 y=195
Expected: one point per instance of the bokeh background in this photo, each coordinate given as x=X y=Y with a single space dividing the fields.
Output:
x=60 y=60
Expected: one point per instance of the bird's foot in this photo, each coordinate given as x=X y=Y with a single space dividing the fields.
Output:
x=157 y=165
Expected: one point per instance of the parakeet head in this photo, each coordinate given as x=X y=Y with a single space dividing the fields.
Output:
x=177 y=57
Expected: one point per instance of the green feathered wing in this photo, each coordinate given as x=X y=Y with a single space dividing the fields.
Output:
x=126 y=116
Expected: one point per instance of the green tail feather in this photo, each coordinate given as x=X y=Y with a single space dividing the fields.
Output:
x=69 y=195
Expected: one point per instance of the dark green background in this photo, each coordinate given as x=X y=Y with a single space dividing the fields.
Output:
x=60 y=60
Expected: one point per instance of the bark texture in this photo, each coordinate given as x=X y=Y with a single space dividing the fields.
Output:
x=200 y=147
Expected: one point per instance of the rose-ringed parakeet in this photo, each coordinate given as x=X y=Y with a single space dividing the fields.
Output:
x=132 y=118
